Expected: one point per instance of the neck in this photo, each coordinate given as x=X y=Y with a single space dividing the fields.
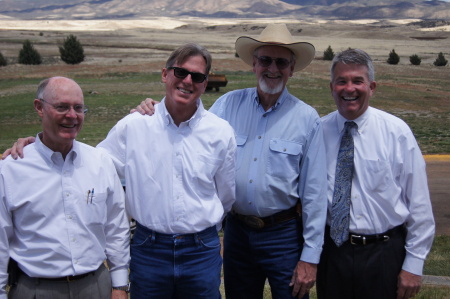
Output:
x=181 y=114
x=63 y=148
x=267 y=100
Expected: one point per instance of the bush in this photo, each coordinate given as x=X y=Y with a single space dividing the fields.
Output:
x=72 y=51
x=328 y=54
x=393 y=58
x=415 y=60
x=2 y=60
x=28 y=54
x=440 y=60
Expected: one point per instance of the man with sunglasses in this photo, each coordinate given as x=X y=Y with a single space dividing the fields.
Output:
x=62 y=209
x=179 y=171
x=275 y=229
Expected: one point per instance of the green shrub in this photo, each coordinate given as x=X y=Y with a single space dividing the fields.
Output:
x=328 y=54
x=440 y=60
x=28 y=54
x=2 y=60
x=72 y=51
x=415 y=60
x=393 y=58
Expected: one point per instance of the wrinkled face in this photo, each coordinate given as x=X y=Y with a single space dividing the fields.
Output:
x=60 y=129
x=272 y=79
x=184 y=92
x=351 y=89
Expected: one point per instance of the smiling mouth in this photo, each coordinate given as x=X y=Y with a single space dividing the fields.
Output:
x=69 y=126
x=184 y=90
x=349 y=99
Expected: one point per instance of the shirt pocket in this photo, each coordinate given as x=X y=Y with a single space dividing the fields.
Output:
x=241 y=140
x=205 y=170
x=378 y=176
x=95 y=211
x=284 y=158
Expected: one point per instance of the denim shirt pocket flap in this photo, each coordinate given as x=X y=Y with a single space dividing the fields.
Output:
x=286 y=147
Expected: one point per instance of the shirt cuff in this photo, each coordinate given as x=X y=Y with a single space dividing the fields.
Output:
x=413 y=264
x=311 y=255
x=119 y=277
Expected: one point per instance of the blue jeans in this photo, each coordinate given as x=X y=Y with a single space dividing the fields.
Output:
x=252 y=256
x=175 y=266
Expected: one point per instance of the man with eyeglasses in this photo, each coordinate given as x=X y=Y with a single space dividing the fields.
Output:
x=275 y=229
x=62 y=209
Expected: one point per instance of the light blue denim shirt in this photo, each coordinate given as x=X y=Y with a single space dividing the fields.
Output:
x=280 y=160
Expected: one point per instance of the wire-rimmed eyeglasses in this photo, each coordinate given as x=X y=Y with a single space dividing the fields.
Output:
x=65 y=108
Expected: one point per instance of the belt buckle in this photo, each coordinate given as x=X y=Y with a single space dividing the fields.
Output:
x=357 y=237
x=254 y=222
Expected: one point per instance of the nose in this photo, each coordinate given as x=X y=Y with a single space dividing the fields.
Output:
x=71 y=113
x=273 y=66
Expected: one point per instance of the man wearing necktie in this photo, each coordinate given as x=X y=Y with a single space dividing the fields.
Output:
x=380 y=225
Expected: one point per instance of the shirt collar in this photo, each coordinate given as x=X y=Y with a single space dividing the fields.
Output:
x=192 y=122
x=360 y=121
x=278 y=103
x=53 y=158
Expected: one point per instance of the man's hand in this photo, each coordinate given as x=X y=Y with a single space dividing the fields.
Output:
x=118 y=294
x=408 y=285
x=303 y=279
x=17 y=148
x=146 y=107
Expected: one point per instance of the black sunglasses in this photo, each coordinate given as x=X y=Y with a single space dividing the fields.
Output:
x=182 y=73
x=266 y=61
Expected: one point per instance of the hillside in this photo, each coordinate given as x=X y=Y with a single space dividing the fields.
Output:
x=141 y=9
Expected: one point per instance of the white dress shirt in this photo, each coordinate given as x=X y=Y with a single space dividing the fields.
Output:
x=389 y=185
x=178 y=179
x=62 y=217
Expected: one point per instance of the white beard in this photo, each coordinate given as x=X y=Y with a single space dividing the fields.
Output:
x=266 y=89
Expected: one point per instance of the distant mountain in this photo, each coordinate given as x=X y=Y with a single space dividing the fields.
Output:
x=141 y=9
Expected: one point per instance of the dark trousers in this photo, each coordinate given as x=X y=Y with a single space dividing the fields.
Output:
x=360 y=271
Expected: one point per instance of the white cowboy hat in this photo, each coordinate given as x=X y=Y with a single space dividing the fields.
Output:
x=276 y=35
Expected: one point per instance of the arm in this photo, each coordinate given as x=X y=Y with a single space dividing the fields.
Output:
x=312 y=192
x=225 y=177
x=6 y=230
x=117 y=229
x=17 y=148
x=146 y=107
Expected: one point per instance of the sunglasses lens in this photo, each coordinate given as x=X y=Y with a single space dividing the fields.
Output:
x=197 y=77
x=282 y=63
x=266 y=61
x=180 y=73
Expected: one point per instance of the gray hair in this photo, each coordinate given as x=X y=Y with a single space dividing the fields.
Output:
x=41 y=88
x=354 y=56
x=180 y=55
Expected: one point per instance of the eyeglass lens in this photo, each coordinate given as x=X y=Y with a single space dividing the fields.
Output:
x=182 y=73
x=62 y=108
x=266 y=61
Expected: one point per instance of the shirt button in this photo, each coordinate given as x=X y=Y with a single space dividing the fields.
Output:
x=67 y=194
x=259 y=137
x=251 y=181
x=70 y=216
x=254 y=159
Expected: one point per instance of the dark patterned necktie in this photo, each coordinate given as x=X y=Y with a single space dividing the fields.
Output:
x=340 y=207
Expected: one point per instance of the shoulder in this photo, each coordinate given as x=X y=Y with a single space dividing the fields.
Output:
x=391 y=121
x=217 y=122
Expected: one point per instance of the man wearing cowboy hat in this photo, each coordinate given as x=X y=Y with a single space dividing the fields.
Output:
x=275 y=230
x=280 y=167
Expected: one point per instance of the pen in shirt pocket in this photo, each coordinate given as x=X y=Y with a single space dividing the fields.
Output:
x=90 y=196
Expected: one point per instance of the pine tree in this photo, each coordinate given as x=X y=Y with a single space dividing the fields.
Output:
x=440 y=60
x=393 y=58
x=2 y=60
x=72 y=51
x=28 y=54
x=328 y=54
x=415 y=60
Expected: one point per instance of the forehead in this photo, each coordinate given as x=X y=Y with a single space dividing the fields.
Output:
x=64 y=90
x=351 y=70
x=274 y=51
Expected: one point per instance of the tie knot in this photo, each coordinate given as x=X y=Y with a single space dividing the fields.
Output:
x=349 y=125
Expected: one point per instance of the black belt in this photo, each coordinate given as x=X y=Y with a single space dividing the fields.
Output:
x=357 y=239
x=69 y=278
x=261 y=222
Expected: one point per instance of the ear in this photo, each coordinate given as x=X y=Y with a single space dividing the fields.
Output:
x=38 y=106
x=164 y=73
x=372 y=86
